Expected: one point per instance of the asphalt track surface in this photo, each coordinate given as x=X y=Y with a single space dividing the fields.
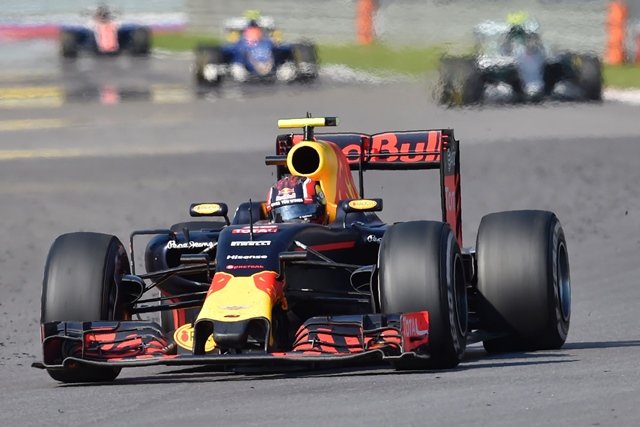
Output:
x=115 y=168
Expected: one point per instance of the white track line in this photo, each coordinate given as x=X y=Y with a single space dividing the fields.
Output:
x=631 y=97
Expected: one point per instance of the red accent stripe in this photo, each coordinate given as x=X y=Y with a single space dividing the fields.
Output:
x=331 y=246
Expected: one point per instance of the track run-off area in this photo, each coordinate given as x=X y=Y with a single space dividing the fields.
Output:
x=94 y=159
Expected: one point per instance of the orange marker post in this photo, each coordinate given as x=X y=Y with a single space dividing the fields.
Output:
x=616 y=32
x=364 y=21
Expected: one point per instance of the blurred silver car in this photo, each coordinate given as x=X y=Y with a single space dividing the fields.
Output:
x=510 y=62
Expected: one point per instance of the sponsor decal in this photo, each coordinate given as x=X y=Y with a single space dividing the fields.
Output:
x=374 y=239
x=286 y=193
x=363 y=204
x=246 y=266
x=233 y=307
x=398 y=147
x=450 y=199
x=451 y=160
x=252 y=243
x=183 y=336
x=172 y=244
x=411 y=328
x=280 y=202
x=206 y=208
x=246 y=257
x=258 y=229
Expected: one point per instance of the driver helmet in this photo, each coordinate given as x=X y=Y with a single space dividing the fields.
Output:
x=103 y=13
x=297 y=198
x=253 y=32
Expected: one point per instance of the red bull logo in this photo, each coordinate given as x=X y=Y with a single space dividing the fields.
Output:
x=286 y=190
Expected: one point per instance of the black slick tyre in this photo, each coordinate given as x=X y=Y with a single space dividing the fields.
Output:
x=141 y=41
x=208 y=56
x=81 y=277
x=589 y=76
x=460 y=82
x=68 y=44
x=420 y=269
x=524 y=281
x=305 y=58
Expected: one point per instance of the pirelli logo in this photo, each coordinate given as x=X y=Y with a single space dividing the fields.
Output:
x=252 y=243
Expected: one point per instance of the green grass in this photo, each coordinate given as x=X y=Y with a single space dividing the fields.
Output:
x=379 y=57
x=383 y=58
x=181 y=41
x=622 y=76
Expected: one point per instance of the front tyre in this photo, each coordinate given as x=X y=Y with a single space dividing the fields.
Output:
x=523 y=281
x=420 y=269
x=141 y=41
x=81 y=278
x=209 y=66
x=460 y=82
x=69 y=46
x=589 y=76
x=305 y=58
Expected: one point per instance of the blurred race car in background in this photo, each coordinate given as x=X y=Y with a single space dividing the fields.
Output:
x=511 y=62
x=253 y=51
x=104 y=34
x=263 y=289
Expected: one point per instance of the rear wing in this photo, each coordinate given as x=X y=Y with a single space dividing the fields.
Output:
x=240 y=23
x=406 y=150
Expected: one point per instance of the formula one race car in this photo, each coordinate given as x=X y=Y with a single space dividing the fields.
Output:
x=253 y=52
x=511 y=63
x=265 y=290
x=104 y=35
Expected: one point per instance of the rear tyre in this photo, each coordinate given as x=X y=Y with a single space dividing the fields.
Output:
x=523 y=280
x=589 y=76
x=420 y=269
x=305 y=58
x=81 y=277
x=68 y=44
x=141 y=41
x=208 y=66
x=460 y=82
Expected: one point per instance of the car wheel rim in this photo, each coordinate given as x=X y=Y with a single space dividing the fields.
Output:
x=460 y=294
x=564 y=282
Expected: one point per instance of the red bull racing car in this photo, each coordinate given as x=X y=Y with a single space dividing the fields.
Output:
x=259 y=290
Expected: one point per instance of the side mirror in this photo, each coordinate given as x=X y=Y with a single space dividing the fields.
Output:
x=209 y=209
x=360 y=205
x=363 y=205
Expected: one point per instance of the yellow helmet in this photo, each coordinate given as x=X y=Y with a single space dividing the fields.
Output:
x=517 y=18
x=252 y=15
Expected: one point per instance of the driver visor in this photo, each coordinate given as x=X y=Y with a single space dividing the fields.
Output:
x=297 y=211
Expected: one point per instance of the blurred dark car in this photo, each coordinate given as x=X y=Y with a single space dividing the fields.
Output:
x=104 y=34
x=253 y=51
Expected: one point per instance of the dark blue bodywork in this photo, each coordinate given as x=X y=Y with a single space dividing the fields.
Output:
x=84 y=38
x=259 y=58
